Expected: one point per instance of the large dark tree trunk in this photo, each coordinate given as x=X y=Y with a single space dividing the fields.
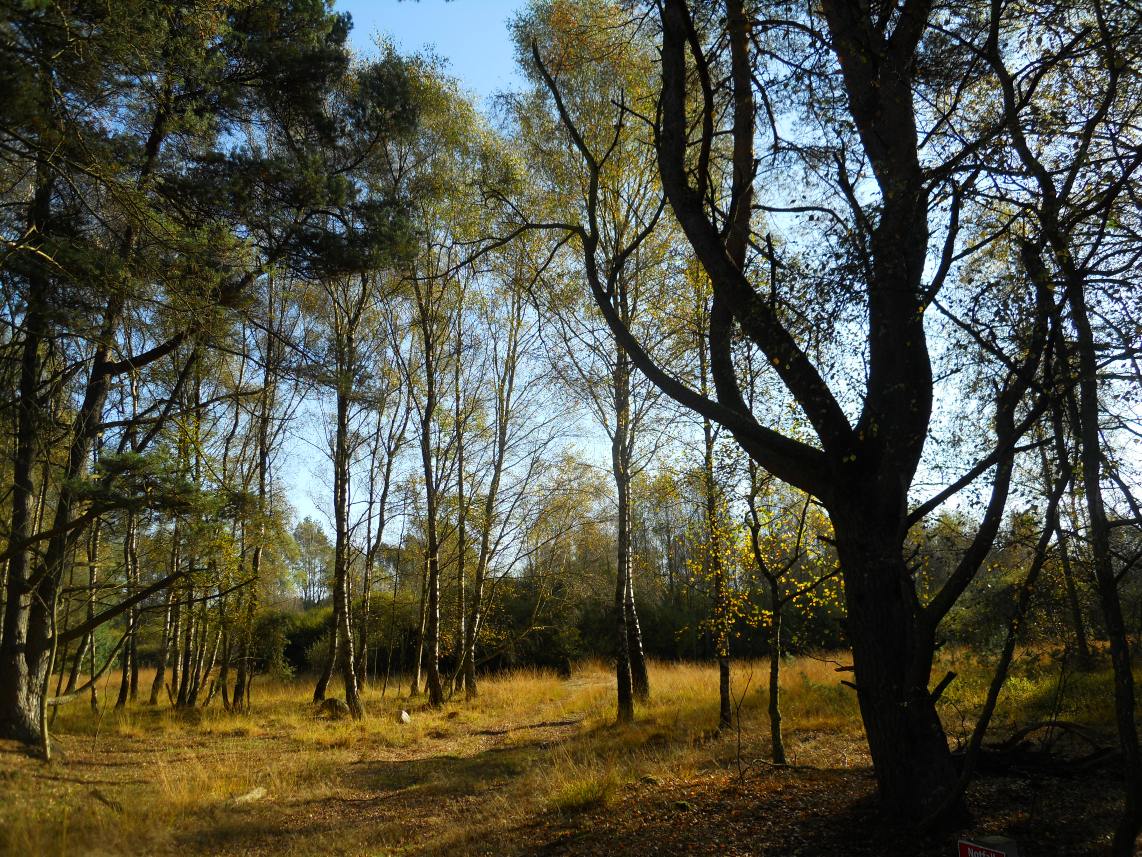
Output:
x=1090 y=455
x=866 y=470
x=861 y=469
x=892 y=657
x=22 y=648
x=20 y=701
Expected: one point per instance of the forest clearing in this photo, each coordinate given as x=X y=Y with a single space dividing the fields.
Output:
x=445 y=427
x=536 y=767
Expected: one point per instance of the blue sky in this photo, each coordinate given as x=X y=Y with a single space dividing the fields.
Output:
x=471 y=34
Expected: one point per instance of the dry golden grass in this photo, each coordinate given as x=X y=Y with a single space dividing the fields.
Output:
x=531 y=750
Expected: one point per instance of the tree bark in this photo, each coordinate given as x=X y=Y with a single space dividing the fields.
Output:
x=177 y=630
x=461 y=509
x=417 y=667
x=164 y=645
x=331 y=658
x=189 y=638
x=631 y=650
x=640 y=677
x=21 y=650
x=776 y=743
x=27 y=645
x=715 y=565
x=892 y=656
x=431 y=635
x=1082 y=646
x=130 y=676
x=1121 y=658
x=625 y=684
x=341 y=612
x=77 y=663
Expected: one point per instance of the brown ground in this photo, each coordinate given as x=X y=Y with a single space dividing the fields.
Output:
x=551 y=777
x=830 y=812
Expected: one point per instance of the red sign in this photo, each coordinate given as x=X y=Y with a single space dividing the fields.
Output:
x=971 y=849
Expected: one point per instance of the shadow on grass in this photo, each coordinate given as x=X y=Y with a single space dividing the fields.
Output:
x=836 y=811
x=444 y=776
x=423 y=805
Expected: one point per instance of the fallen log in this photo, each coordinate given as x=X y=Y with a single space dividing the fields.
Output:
x=1019 y=755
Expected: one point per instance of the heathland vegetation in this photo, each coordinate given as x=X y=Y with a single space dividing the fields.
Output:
x=537 y=764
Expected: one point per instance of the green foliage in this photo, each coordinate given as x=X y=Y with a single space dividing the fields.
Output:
x=290 y=641
x=272 y=634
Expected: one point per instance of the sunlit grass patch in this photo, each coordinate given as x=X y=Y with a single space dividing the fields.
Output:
x=532 y=746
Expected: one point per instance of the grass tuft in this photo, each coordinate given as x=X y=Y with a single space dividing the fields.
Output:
x=591 y=790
